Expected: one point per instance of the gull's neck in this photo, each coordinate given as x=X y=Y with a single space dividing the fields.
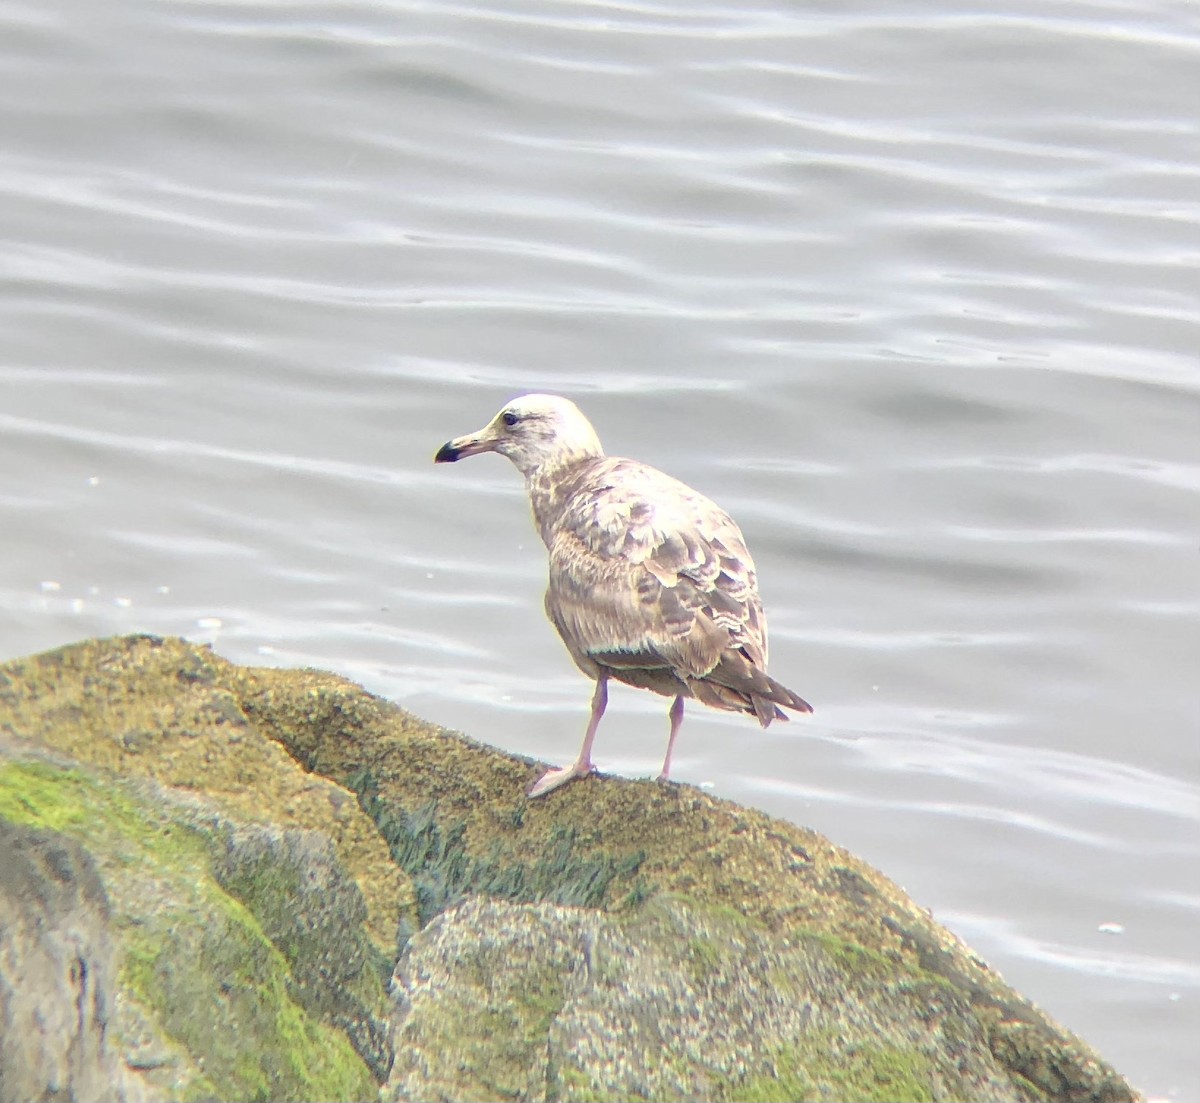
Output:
x=553 y=481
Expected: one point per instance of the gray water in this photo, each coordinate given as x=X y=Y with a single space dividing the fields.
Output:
x=913 y=292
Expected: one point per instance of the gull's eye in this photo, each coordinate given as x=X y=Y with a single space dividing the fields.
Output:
x=510 y=419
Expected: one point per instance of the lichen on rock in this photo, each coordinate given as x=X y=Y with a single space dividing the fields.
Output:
x=674 y=1000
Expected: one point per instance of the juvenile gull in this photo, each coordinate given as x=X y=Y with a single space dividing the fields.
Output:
x=650 y=582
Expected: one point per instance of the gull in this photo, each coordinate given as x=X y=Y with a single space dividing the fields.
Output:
x=650 y=582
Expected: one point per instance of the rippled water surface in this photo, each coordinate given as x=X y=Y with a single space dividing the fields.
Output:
x=914 y=293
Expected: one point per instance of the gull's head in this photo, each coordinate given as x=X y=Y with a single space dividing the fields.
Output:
x=534 y=431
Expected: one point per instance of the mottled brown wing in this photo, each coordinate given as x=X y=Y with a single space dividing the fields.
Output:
x=646 y=573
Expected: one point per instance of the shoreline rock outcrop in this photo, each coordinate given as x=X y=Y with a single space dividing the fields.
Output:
x=284 y=887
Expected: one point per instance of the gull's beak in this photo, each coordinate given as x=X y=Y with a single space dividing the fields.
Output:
x=470 y=445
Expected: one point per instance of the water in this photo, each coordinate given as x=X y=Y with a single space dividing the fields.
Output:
x=915 y=294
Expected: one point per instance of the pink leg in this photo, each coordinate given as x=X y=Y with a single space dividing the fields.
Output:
x=582 y=766
x=676 y=715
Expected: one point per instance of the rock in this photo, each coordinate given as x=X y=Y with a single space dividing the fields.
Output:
x=202 y=1004
x=674 y=1001
x=307 y=906
x=57 y=975
x=163 y=709
x=251 y=964
x=274 y=844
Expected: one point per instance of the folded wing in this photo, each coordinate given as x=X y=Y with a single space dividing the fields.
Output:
x=652 y=583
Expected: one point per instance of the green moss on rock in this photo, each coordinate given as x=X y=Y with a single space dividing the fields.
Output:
x=194 y=959
x=697 y=928
x=678 y=1000
x=173 y=712
x=824 y=1068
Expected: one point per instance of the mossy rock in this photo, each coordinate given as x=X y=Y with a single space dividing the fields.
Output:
x=170 y=711
x=672 y=1000
x=671 y=898
x=205 y=1003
